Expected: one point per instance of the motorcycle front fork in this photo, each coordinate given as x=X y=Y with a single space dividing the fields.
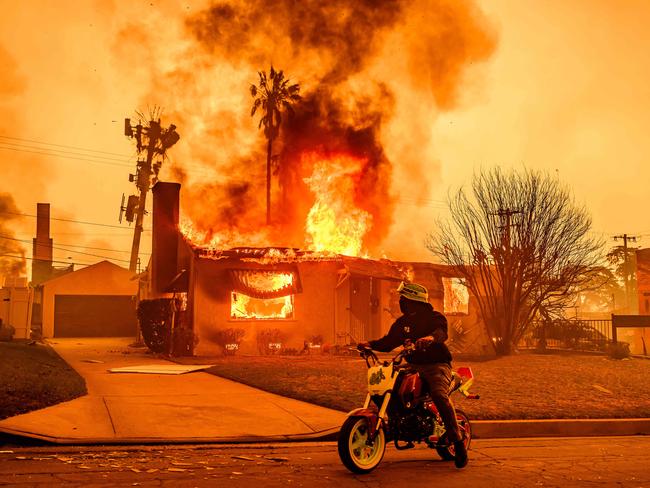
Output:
x=380 y=416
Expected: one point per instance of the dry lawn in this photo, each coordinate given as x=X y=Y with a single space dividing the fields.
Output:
x=33 y=377
x=525 y=386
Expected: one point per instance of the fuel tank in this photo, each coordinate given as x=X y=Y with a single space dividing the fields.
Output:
x=410 y=390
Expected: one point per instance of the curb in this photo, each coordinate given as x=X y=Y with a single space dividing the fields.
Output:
x=498 y=429
x=481 y=429
x=18 y=435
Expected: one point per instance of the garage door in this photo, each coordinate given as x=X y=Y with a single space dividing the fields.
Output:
x=94 y=316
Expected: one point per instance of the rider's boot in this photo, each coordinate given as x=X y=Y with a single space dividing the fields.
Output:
x=460 y=454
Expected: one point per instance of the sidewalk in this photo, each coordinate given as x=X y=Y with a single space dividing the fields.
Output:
x=132 y=408
x=136 y=408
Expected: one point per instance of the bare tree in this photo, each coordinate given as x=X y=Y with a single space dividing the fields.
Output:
x=522 y=246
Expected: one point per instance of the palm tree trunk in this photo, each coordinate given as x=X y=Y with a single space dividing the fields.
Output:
x=269 y=148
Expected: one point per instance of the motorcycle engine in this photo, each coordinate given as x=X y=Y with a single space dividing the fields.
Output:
x=413 y=426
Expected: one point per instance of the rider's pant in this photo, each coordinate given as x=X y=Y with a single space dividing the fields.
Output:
x=438 y=378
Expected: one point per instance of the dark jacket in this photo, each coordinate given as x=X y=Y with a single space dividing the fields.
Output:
x=423 y=322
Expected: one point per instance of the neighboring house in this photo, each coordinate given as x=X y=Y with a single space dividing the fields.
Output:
x=96 y=301
x=297 y=294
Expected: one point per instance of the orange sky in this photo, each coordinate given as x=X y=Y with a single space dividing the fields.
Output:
x=566 y=90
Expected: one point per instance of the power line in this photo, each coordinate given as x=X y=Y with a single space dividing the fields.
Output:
x=85 y=234
x=192 y=169
x=70 y=220
x=65 y=157
x=49 y=261
x=71 y=245
x=97 y=248
x=74 y=153
x=62 y=145
x=89 y=254
x=64 y=249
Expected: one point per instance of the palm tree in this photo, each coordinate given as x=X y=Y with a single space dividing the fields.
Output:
x=273 y=94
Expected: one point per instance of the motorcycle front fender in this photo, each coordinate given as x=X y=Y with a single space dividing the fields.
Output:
x=371 y=415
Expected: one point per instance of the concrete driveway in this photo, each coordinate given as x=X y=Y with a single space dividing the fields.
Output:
x=129 y=408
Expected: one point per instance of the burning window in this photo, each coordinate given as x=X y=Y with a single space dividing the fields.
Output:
x=456 y=296
x=261 y=294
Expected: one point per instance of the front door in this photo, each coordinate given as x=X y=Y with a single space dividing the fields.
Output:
x=360 y=315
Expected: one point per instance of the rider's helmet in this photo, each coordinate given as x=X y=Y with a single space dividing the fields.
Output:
x=413 y=291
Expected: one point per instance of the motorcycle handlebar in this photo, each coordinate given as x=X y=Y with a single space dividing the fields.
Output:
x=366 y=352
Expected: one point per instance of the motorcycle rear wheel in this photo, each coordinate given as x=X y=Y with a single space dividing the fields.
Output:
x=355 y=454
x=446 y=451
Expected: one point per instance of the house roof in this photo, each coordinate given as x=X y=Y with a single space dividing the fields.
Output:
x=257 y=254
x=88 y=269
x=383 y=269
x=442 y=269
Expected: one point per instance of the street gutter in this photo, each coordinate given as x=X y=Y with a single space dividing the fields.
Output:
x=481 y=429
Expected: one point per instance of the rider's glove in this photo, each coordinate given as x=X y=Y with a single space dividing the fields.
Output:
x=423 y=343
x=363 y=346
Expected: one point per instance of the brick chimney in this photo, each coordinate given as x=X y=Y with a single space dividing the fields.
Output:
x=165 y=235
x=42 y=251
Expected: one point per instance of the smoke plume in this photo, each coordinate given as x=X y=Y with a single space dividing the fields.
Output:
x=12 y=253
x=373 y=77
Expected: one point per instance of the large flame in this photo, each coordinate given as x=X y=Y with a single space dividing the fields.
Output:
x=224 y=239
x=335 y=224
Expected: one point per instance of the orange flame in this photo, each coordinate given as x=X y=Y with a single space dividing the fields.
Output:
x=222 y=239
x=245 y=307
x=335 y=223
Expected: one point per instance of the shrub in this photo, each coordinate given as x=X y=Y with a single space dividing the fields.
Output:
x=312 y=343
x=315 y=340
x=339 y=350
x=269 y=341
x=229 y=339
x=155 y=318
x=618 y=350
x=289 y=351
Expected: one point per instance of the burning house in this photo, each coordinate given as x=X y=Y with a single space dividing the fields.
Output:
x=286 y=298
x=348 y=174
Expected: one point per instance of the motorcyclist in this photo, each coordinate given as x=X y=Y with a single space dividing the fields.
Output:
x=431 y=358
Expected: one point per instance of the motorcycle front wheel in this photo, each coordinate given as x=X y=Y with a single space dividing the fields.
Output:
x=355 y=453
x=446 y=451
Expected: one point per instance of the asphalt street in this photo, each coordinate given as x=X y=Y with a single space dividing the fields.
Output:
x=561 y=462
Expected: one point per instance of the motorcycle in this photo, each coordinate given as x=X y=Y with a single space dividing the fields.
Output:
x=398 y=409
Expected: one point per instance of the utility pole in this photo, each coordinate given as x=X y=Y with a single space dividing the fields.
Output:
x=509 y=279
x=154 y=140
x=626 y=268
x=507 y=213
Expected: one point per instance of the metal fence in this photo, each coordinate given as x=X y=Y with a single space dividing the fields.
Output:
x=576 y=334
